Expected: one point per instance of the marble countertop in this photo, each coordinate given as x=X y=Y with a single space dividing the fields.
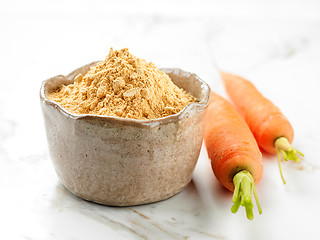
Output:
x=275 y=44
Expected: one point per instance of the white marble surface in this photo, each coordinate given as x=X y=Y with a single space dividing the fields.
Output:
x=276 y=44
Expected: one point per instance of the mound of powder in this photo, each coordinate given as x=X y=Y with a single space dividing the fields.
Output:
x=124 y=86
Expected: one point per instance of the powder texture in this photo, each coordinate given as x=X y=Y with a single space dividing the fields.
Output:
x=124 y=86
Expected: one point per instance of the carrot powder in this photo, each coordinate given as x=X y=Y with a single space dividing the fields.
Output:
x=235 y=156
x=123 y=85
x=270 y=127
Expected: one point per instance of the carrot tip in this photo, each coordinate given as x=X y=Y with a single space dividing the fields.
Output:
x=244 y=186
x=288 y=152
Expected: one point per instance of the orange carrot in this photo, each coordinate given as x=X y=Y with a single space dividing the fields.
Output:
x=235 y=156
x=270 y=127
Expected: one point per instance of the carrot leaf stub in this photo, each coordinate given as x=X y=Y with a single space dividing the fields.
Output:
x=288 y=152
x=243 y=188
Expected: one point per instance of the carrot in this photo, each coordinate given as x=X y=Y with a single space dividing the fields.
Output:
x=235 y=156
x=270 y=127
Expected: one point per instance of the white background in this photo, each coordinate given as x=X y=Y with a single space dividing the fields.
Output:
x=275 y=44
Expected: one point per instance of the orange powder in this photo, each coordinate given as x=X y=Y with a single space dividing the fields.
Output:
x=124 y=86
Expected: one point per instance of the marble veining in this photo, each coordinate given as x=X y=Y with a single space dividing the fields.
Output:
x=276 y=44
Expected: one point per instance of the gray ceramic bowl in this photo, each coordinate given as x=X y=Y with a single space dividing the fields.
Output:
x=121 y=162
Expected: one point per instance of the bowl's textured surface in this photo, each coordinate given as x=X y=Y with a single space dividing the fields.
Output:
x=122 y=162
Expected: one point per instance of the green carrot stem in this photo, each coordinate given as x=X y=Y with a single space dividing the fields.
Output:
x=243 y=187
x=288 y=152
x=279 y=165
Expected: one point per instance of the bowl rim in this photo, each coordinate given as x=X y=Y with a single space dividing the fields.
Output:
x=202 y=103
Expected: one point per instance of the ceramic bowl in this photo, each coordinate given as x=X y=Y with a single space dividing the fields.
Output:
x=121 y=162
